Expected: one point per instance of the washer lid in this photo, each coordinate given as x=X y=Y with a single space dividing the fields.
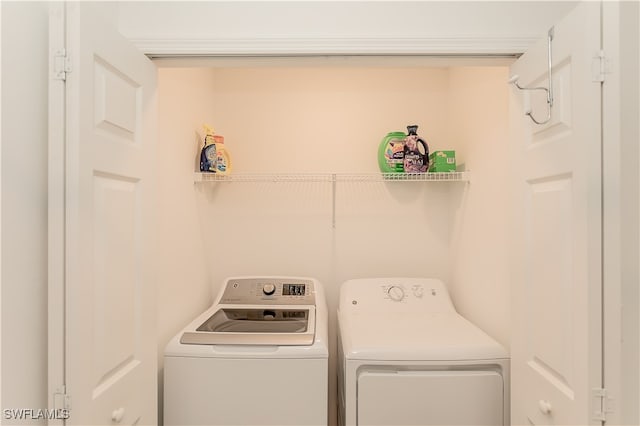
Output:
x=257 y=320
x=416 y=337
x=252 y=325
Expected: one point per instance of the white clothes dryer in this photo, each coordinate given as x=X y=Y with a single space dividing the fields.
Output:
x=257 y=356
x=406 y=357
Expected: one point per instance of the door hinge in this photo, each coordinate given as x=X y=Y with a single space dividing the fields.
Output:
x=602 y=404
x=61 y=403
x=61 y=65
x=600 y=67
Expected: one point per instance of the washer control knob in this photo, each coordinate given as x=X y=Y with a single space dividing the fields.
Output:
x=269 y=289
x=396 y=293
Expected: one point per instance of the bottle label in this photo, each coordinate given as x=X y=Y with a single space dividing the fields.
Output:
x=416 y=155
x=208 y=158
x=394 y=154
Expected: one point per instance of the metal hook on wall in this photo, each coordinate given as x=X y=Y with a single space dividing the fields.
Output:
x=514 y=80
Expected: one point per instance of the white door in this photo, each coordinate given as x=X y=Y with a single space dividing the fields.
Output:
x=557 y=225
x=110 y=308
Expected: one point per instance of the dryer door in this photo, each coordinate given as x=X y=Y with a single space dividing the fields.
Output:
x=392 y=397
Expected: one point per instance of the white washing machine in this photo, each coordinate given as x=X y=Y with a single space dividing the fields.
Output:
x=406 y=357
x=257 y=356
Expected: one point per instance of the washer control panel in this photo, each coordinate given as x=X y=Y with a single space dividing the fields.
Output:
x=268 y=291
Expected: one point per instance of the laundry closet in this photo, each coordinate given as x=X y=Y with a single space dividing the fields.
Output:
x=303 y=193
x=305 y=196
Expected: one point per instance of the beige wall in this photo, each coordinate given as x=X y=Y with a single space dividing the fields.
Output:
x=184 y=280
x=24 y=207
x=478 y=123
x=332 y=119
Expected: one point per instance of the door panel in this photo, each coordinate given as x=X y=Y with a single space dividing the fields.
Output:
x=115 y=202
x=116 y=102
x=111 y=362
x=556 y=343
x=549 y=340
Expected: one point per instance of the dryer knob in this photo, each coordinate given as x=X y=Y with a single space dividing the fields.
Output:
x=396 y=293
x=269 y=289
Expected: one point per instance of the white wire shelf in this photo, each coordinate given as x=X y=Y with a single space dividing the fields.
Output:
x=333 y=177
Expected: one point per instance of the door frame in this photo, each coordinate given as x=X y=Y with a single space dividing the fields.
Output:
x=621 y=206
x=56 y=215
x=612 y=270
x=1 y=404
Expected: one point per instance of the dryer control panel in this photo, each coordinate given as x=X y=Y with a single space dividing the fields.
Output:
x=395 y=295
x=268 y=291
x=400 y=291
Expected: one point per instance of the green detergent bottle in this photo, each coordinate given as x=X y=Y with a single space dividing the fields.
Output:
x=391 y=153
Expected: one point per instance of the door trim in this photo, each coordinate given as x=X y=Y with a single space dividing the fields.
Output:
x=621 y=206
x=449 y=46
x=56 y=213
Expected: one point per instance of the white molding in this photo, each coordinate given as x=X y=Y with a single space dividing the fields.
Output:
x=1 y=404
x=620 y=244
x=56 y=214
x=612 y=242
x=455 y=46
